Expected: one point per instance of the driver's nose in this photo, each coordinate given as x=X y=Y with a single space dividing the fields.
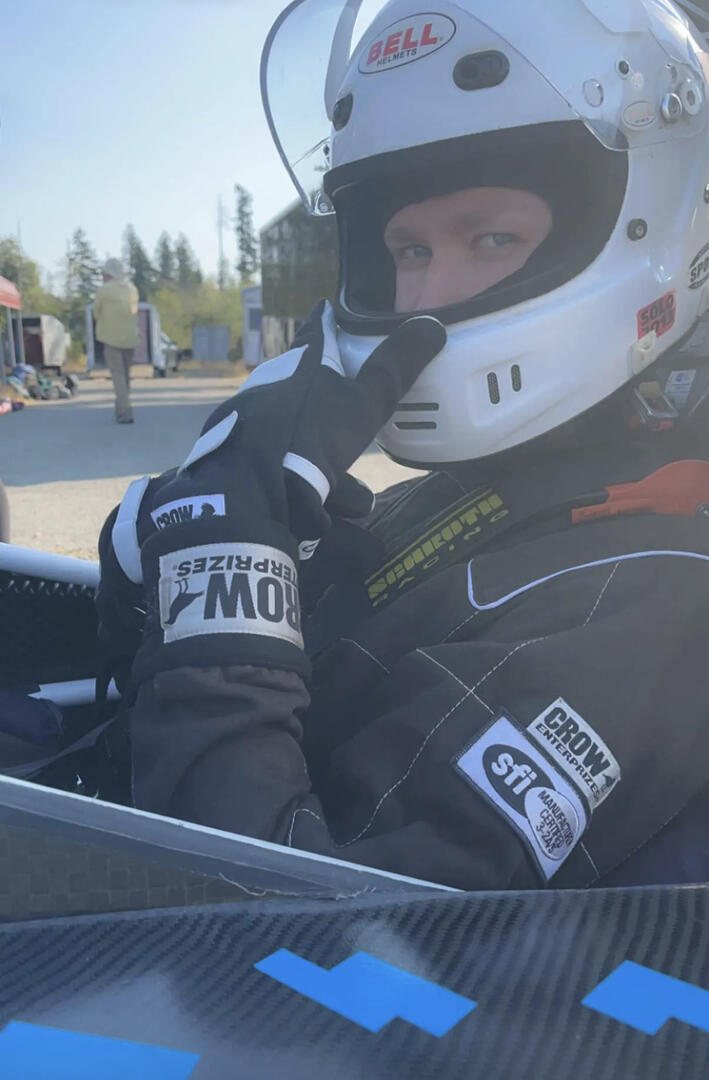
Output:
x=444 y=283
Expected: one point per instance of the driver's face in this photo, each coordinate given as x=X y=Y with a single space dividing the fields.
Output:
x=452 y=247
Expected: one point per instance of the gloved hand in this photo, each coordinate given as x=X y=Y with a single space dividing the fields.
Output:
x=221 y=572
x=120 y=597
x=120 y=602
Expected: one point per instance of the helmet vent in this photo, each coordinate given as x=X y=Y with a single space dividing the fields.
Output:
x=414 y=407
x=516 y=376
x=493 y=388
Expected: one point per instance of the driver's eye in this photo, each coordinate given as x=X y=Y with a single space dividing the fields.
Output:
x=496 y=240
x=414 y=251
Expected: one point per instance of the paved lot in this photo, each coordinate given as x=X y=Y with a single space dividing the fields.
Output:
x=67 y=463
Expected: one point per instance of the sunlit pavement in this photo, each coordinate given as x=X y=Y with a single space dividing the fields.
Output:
x=67 y=463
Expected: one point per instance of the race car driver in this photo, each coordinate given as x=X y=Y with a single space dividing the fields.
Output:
x=497 y=677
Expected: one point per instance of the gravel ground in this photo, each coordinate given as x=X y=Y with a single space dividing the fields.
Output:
x=67 y=463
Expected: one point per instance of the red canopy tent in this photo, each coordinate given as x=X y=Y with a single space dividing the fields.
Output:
x=11 y=300
x=9 y=295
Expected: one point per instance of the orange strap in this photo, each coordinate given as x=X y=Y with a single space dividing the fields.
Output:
x=680 y=488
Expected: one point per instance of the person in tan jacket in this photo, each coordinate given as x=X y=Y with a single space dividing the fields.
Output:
x=115 y=311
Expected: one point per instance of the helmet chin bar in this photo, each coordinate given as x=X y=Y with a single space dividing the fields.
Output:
x=671 y=392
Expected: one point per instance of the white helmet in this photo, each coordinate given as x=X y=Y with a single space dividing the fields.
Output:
x=597 y=106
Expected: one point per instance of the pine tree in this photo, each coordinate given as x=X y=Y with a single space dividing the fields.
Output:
x=82 y=277
x=136 y=258
x=189 y=274
x=246 y=242
x=165 y=260
x=82 y=271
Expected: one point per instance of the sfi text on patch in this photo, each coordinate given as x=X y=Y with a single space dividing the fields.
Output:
x=527 y=790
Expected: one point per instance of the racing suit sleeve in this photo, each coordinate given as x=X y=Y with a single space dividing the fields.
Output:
x=222 y=746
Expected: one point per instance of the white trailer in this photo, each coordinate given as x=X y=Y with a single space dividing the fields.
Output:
x=46 y=342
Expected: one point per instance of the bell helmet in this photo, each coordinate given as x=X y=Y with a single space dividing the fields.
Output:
x=595 y=111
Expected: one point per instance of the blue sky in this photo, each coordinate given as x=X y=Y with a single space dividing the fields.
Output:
x=132 y=110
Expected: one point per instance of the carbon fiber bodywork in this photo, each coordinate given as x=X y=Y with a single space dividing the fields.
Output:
x=183 y=977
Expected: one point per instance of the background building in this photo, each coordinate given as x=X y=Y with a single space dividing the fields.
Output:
x=298 y=268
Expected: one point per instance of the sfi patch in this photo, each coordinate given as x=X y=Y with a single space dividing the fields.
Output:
x=537 y=800
x=578 y=749
x=405 y=41
x=181 y=510
x=659 y=316
x=699 y=268
x=229 y=589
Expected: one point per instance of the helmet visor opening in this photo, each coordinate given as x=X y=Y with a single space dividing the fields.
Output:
x=472 y=225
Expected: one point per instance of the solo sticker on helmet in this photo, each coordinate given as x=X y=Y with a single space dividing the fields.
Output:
x=658 y=316
x=406 y=41
x=528 y=790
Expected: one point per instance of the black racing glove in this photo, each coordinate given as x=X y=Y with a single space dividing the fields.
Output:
x=120 y=603
x=221 y=572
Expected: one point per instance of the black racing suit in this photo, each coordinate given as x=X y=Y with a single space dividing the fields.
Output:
x=510 y=689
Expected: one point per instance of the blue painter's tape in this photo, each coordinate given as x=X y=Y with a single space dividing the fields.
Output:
x=370 y=992
x=32 y=1052
x=646 y=999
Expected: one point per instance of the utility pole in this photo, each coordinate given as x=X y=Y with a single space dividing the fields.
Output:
x=221 y=223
